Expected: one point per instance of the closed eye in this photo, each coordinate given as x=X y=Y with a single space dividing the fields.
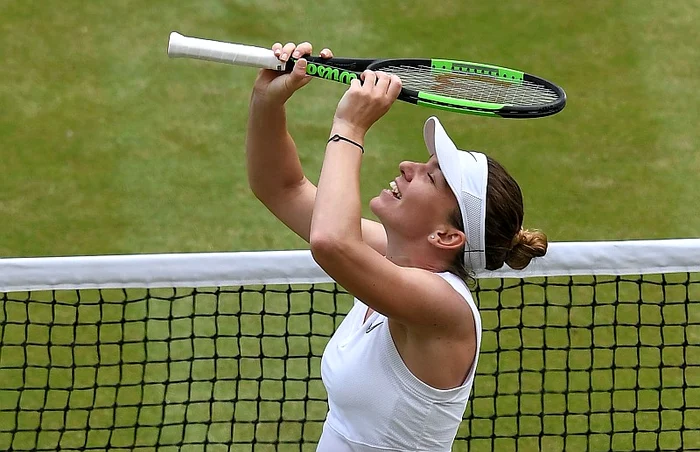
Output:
x=432 y=180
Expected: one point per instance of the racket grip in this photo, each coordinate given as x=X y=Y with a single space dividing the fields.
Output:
x=180 y=46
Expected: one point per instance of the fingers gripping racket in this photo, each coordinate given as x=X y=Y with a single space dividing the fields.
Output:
x=458 y=86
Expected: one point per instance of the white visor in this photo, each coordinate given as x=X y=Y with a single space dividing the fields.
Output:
x=467 y=175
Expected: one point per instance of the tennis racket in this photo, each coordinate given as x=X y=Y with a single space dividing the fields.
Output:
x=457 y=86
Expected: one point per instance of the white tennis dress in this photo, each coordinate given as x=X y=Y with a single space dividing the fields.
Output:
x=375 y=403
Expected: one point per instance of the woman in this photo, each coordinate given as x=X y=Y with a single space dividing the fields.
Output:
x=399 y=369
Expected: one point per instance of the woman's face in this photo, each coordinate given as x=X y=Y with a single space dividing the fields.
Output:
x=418 y=203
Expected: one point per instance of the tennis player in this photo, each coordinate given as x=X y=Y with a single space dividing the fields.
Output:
x=399 y=369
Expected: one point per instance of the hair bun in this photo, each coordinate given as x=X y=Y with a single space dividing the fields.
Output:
x=527 y=244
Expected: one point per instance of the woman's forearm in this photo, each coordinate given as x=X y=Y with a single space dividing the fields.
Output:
x=337 y=211
x=272 y=160
x=336 y=223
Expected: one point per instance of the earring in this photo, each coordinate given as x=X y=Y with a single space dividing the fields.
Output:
x=432 y=236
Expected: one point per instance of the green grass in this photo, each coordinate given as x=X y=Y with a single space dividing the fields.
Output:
x=107 y=146
x=110 y=147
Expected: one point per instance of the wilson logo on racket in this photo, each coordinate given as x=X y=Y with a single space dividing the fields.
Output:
x=452 y=85
x=330 y=73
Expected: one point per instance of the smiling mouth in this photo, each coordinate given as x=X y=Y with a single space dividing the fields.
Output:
x=395 y=190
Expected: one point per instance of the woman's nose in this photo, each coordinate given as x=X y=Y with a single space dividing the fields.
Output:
x=407 y=169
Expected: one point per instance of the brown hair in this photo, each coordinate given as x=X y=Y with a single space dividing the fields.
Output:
x=506 y=240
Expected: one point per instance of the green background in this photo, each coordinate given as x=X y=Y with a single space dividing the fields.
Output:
x=107 y=146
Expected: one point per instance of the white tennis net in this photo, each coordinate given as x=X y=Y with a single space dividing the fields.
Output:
x=594 y=347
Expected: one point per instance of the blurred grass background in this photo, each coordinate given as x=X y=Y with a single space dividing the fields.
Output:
x=107 y=146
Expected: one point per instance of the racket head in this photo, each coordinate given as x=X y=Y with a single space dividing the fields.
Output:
x=474 y=88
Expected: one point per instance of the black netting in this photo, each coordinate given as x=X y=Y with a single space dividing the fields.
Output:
x=578 y=364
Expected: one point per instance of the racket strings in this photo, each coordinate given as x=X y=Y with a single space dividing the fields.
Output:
x=473 y=87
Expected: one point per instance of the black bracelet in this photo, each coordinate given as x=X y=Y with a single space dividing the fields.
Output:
x=337 y=137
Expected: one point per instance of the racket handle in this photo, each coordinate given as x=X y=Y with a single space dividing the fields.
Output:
x=180 y=46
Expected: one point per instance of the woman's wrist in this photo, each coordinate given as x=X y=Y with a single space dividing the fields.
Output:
x=349 y=131
x=260 y=98
x=336 y=137
x=262 y=106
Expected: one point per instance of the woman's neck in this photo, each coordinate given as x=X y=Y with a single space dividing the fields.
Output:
x=416 y=255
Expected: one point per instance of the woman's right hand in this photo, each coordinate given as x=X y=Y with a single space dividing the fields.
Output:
x=278 y=87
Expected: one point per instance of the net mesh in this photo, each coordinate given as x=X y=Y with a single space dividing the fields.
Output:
x=474 y=87
x=567 y=363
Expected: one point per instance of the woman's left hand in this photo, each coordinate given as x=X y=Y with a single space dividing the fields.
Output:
x=365 y=102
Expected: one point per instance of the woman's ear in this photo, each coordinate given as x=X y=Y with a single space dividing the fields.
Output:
x=447 y=238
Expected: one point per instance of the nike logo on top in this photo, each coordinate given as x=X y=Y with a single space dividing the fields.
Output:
x=371 y=327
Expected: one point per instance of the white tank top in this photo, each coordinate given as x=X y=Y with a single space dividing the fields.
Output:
x=375 y=403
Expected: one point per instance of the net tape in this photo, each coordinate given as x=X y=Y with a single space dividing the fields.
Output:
x=297 y=266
